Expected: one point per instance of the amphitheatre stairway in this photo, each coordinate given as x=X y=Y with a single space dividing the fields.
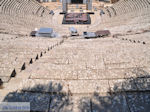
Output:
x=75 y=74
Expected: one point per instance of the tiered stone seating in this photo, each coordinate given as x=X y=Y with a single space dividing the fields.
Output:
x=27 y=14
x=71 y=73
x=98 y=75
x=18 y=53
x=123 y=7
x=124 y=16
x=19 y=17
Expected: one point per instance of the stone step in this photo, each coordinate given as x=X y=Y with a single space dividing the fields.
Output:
x=73 y=86
x=85 y=86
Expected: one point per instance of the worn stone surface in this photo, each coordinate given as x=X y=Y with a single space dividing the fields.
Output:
x=19 y=51
x=81 y=76
x=115 y=74
x=59 y=74
x=116 y=85
x=38 y=101
x=39 y=85
x=81 y=103
x=143 y=84
x=122 y=85
x=138 y=102
x=5 y=79
x=61 y=103
x=89 y=74
x=6 y=72
x=88 y=86
x=130 y=74
x=107 y=103
x=141 y=72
